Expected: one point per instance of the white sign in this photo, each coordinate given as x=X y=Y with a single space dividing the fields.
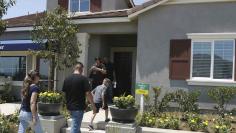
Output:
x=1 y=47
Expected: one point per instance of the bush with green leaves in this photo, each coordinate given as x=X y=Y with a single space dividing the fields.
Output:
x=124 y=102
x=187 y=100
x=222 y=96
x=196 y=123
x=222 y=125
x=6 y=95
x=167 y=122
x=146 y=119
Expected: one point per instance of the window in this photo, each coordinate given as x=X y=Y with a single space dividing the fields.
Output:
x=14 y=67
x=213 y=59
x=43 y=68
x=79 y=5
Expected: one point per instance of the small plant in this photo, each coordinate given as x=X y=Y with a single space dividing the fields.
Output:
x=196 y=123
x=222 y=125
x=6 y=95
x=167 y=122
x=146 y=119
x=124 y=102
x=222 y=96
x=5 y=125
x=187 y=100
x=50 y=97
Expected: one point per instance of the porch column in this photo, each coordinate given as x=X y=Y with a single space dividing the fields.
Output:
x=83 y=39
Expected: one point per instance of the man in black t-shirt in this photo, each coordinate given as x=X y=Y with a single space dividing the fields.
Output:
x=77 y=88
x=97 y=73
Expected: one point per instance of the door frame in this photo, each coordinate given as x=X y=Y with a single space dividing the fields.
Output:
x=134 y=55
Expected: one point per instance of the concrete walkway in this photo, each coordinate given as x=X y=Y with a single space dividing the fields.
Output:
x=9 y=108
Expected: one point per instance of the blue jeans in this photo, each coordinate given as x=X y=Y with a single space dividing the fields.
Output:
x=77 y=117
x=25 y=122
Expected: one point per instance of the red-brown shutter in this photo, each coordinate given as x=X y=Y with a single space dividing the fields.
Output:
x=180 y=54
x=63 y=4
x=95 y=5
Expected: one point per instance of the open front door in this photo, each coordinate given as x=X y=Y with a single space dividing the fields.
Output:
x=124 y=67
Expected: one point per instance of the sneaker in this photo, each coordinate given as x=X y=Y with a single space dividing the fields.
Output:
x=107 y=120
x=90 y=127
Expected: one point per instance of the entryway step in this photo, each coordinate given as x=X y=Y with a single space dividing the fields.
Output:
x=99 y=121
x=83 y=130
x=100 y=125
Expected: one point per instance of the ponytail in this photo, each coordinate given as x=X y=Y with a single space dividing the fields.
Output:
x=27 y=82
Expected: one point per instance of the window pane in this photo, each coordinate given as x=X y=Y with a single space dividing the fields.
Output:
x=223 y=59
x=44 y=68
x=74 y=5
x=84 y=5
x=201 y=59
x=14 y=67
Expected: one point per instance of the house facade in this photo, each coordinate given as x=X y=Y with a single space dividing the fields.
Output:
x=176 y=44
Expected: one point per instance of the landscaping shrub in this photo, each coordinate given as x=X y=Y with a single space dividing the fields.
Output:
x=222 y=96
x=146 y=119
x=196 y=123
x=222 y=125
x=167 y=122
x=187 y=100
x=6 y=95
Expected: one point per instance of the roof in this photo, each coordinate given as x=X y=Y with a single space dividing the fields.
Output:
x=23 y=21
x=105 y=14
x=29 y=20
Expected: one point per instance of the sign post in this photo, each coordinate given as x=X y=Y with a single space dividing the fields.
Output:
x=142 y=89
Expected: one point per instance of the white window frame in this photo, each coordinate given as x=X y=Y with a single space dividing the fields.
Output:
x=15 y=54
x=197 y=79
x=79 y=7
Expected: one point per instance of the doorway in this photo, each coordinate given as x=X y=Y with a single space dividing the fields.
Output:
x=124 y=60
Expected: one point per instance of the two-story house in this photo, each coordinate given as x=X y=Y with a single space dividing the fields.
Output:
x=176 y=44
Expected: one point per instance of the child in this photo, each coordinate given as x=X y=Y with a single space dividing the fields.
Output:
x=100 y=100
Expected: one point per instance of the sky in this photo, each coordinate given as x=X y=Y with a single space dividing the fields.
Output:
x=24 y=7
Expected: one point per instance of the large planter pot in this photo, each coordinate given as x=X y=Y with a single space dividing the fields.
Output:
x=49 y=109
x=123 y=115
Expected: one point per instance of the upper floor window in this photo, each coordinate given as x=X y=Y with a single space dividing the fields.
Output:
x=79 y=5
x=213 y=59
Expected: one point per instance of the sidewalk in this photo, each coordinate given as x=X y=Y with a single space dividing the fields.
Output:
x=9 y=108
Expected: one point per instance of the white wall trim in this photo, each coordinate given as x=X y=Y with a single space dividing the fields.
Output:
x=194 y=1
x=101 y=20
x=30 y=28
x=211 y=35
x=134 y=15
x=210 y=83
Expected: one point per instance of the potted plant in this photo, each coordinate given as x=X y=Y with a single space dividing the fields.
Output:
x=124 y=109
x=50 y=103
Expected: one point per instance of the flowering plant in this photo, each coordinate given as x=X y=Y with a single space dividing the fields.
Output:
x=196 y=123
x=222 y=125
x=124 y=102
x=168 y=122
x=50 y=97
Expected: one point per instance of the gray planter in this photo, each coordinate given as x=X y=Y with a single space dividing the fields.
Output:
x=49 y=109
x=123 y=115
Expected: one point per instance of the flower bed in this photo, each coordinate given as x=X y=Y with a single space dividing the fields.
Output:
x=188 y=116
x=190 y=122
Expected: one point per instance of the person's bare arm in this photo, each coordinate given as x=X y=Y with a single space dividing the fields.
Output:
x=90 y=99
x=103 y=100
x=33 y=105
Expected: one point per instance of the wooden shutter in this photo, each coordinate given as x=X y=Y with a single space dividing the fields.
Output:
x=63 y=4
x=95 y=5
x=180 y=54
